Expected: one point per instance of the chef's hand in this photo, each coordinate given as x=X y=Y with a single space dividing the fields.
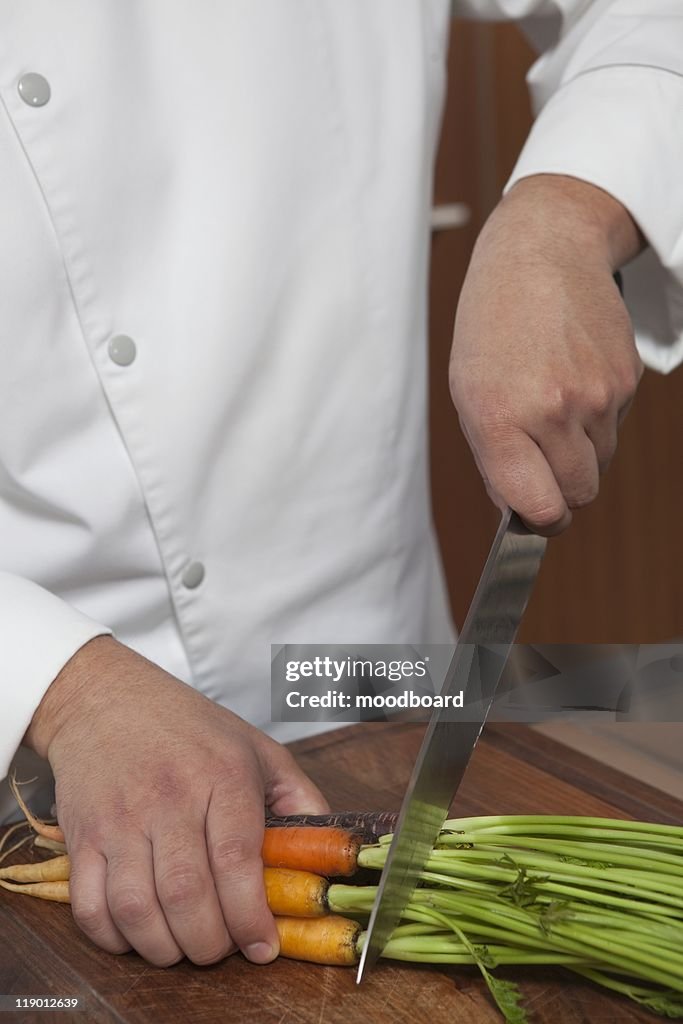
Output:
x=161 y=796
x=543 y=364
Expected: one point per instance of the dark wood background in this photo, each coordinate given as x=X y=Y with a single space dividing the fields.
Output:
x=615 y=577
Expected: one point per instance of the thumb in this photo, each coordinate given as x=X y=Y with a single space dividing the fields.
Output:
x=288 y=790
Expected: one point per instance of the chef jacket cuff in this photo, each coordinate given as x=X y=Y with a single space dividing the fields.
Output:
x=39 y=633
x=618 y=128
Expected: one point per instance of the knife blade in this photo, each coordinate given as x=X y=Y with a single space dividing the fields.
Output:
x=480 y=654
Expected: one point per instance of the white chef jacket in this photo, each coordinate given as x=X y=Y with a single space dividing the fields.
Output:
x=213 y=262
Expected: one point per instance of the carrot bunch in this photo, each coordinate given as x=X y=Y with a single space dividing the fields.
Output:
x=601 y=897
x=298 y=860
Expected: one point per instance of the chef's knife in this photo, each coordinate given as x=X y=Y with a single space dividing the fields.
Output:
x=476 y=667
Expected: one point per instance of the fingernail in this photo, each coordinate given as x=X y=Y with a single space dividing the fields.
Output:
x=260 y=952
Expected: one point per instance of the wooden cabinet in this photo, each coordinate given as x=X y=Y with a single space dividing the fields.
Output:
x=617 y=575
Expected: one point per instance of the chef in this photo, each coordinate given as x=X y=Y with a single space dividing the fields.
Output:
x=212 y=397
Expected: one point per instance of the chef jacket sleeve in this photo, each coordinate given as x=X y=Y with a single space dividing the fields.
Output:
x=38 y=634
x=608 y=91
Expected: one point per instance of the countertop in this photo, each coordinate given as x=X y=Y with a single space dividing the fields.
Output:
x=361 y=767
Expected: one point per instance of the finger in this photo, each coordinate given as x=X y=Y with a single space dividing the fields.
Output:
x=496 y=499
x=288 y=789
x=133 y=903
x=234 y=834
x=519 y=472
x=573 y=460
x=623 y=410
x=87 y=891
x=187 y=894
x=603 y=437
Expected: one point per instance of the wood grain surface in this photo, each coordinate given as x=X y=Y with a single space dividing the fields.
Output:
x=360 y=767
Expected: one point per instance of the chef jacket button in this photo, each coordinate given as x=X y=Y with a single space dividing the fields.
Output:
x=122 y=350
x=193 y=575
x=34 y=89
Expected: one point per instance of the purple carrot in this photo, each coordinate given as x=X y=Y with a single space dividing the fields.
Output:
x=370 y=824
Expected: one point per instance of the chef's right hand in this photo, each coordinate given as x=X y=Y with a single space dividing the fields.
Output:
x=161 y=796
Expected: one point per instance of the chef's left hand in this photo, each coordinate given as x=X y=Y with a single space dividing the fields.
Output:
x=544 y=364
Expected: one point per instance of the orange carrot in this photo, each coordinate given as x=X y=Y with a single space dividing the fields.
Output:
x=54 y=870
x=327 y=851
x=57 y=891
x=321 y=940
x=295 y=893
x=48 y=831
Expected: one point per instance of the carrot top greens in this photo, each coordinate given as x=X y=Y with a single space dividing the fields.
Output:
x=600 y=897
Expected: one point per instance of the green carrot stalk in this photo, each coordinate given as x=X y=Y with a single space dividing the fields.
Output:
x=601 y=897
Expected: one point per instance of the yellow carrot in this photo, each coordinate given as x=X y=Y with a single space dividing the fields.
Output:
x=54 y=870
x=295 y=893
x=57 y=891
x=320 y=940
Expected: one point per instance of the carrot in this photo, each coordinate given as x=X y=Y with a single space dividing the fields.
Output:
x=57 y=891
x=327 y=851
x=370 y=824
x=54 y=870
x=48 y=831
x=295 y=893
x=289 y=892
x=321 y=940
x=49 y=844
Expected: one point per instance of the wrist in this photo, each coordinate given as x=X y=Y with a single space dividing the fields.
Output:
x=554 y=211
x=71 y=689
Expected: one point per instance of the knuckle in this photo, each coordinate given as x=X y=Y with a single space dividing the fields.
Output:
x=627 y=377
x=88 y=912
x=180 y=887
x=234 y=775
x=131 y=906
x=246 y=928
x=483 y=406
x=212 y=955
x=557 y=405
x=230 y=854
x=601 y=399
x=631 y=379
x=491 y=419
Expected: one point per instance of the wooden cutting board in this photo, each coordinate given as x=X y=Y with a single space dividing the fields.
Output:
x=360 y=767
